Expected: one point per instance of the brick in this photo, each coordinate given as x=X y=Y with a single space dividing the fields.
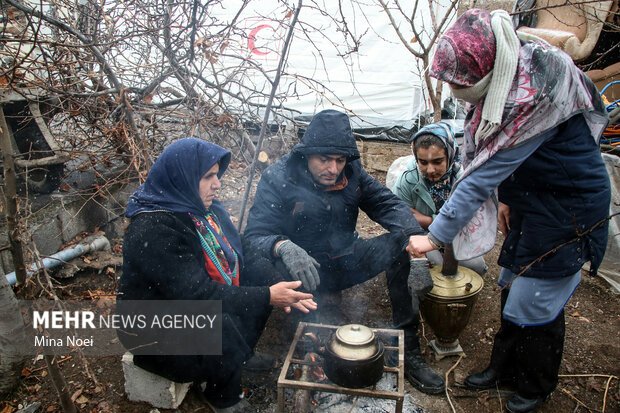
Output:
x=144 y=386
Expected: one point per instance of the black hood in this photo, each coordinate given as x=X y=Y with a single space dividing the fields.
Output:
x=329 y=133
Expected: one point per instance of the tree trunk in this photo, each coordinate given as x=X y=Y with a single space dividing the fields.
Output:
x=10 y=201
x=60 y=384
x=12 y=335
x=434 y=95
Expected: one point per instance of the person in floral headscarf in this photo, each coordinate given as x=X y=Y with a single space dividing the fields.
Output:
x=531 y=139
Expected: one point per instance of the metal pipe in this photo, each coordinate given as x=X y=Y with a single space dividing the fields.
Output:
x=92 y=243
x=450 y=265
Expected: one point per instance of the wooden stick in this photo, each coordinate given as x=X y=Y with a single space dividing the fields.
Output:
x=45 y=367
x=606 y=391
x=588 y=375
x=569 y=394
x=609 y=378
x=446 y=378
x=301 y=398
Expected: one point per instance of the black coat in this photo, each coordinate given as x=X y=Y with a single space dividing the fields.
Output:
x=560 y=193
x=163 y=260
x=289 y=205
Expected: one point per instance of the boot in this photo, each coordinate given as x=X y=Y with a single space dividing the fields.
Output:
x=420 y=375
x=260 y=362
x=242 y=406
x=487 y=379
x=520 y=404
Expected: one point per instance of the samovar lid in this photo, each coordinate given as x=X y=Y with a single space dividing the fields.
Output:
x=465 y=283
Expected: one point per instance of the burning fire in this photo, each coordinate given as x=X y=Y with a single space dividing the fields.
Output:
x=317 y=371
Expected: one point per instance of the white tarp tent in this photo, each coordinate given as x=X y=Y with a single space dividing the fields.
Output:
x=379 y=79
x=610 y=268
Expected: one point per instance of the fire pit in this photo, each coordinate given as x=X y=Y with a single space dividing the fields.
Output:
x=309 y=337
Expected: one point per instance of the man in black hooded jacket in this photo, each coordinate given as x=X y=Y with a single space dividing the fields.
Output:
x=305 y=212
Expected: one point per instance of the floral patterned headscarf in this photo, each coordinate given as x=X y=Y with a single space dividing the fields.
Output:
x=466 y=51
x=548 y=89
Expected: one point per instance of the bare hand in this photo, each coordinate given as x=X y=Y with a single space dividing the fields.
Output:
x=283 y=295
x=418 y=246
x=503 y=218
x=423 y=220
x=303 y=305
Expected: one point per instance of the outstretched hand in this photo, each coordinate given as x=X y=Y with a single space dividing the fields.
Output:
x=303 y=305
x=283 y=295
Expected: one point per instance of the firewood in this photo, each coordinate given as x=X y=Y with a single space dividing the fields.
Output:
x=262 y=161
x=301 y=398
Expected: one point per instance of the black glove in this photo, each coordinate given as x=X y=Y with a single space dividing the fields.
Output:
x=300 y=265
x=420 y=281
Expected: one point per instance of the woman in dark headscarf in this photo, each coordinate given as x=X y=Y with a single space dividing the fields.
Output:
x=182 y=245
x=532 y=132
x=427 y=181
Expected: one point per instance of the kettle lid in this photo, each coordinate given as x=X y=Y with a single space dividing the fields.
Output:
x=355 y=334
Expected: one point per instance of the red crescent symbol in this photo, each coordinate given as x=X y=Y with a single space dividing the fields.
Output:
x=252 y=39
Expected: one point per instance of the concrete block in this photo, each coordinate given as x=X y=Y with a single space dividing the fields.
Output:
x=143 y=386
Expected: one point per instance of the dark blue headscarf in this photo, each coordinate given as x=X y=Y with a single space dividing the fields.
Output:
x=172 y=185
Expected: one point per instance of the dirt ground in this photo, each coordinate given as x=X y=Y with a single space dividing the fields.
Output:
x=589 y=371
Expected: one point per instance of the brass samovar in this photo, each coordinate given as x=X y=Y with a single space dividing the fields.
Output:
x=448 y=306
